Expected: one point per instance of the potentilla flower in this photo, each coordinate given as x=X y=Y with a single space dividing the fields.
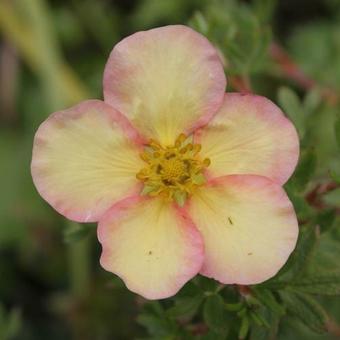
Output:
x=182 y=177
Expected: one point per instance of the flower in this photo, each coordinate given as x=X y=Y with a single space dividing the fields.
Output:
x=182 y=177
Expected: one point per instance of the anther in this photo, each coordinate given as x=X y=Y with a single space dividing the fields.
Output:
x=197 y=148
x=145 y=157
x=181 y=138
x=206 y=162
x=172 y=171
x=154 y=145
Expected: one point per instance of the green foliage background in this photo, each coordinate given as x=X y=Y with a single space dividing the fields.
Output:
x=52 y=55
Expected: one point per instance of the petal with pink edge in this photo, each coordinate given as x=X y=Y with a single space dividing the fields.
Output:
x=248 y=226
x=167 y=80
x=250 y=135
x=83 y=162
x=151 y=245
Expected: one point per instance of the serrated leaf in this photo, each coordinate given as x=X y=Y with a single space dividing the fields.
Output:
x=269 y=327
x=244 y=329
x=332 y=197
x=291 y=105
x=265 y=9
x=238 y=33
x=258 y=319
x=298 y=263
x=311 y=101
x=307 y=310
x=308 y=239
x=155 y=325
x=213 y=312
x=334 y=173
x=337 y=131
x=14 y=324
x=187 y=305
x=302 y=208
x=319 y=284
x=10 y=323
x=234 y=307
x=325 y=219
x=200 y=23
x=208 y=285
x=305 y=170
x=269 y=300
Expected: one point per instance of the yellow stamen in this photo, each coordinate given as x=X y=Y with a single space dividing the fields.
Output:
x=172 y=171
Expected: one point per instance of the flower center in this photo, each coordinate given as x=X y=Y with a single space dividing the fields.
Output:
x=172 y=171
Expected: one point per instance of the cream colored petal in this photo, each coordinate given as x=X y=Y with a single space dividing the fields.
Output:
x=166 y=80
x=151 y=245
x=250 y=135
x=248 y=225
x=83 y=162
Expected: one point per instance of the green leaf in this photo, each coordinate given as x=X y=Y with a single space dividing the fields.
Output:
x=258 y=318
x=76 y=232
x=320 y=284
x=311 y=101
x=299 y=262
x=332 y=197
x=337 y=131
x=206 y=284
x=10 y=323
x=308 y=240
x=244 y=329
x=213 y=313
x=237 y=31
x=302 y=208
x=269 y=300
x=200 y=22
x=265 y=9
x=14 y=323
x=305 y=170
x=325 y=219
x=187 y=305
x=156 y=325
x=291 y=105
x=307 y=310
x=234 y=307
x=334 y=173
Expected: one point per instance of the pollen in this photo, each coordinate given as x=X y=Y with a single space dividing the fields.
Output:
x=172 y=171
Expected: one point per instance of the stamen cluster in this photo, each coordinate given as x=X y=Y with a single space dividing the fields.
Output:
x=172 y=171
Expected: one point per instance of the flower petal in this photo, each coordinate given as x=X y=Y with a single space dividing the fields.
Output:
x=250 y=135
x=248 y=225
x=151 y=245
x=167 y=80
x=83 y=162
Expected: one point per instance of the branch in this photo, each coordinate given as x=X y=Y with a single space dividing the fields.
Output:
x=292 y=71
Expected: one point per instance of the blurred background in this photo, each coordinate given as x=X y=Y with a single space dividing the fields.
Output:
x=52 y=55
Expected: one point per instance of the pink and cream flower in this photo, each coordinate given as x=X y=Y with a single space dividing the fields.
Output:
x=182 y=177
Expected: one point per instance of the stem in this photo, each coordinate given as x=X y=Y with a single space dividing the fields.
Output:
x=292 y=71
x=241 y=83
x=79 y=265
